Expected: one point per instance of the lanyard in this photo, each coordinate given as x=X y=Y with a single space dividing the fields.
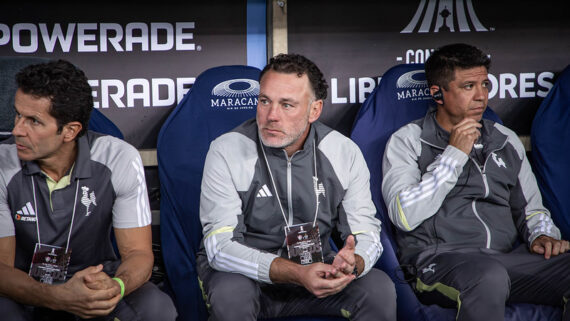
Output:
x=38 y=215
x=315 y=183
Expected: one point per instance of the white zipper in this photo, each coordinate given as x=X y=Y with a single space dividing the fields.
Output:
x=289 y=190
x=483 y=175
x=488 y=245
x=486 y=184
x=473 y=203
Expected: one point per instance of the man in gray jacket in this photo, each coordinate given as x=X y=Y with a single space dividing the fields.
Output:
x=273 y=191
x=63 y=189
x=462 y=195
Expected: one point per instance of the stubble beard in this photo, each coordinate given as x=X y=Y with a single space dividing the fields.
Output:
x=286 y=141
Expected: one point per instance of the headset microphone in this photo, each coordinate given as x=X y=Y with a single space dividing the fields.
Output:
x=438 y=95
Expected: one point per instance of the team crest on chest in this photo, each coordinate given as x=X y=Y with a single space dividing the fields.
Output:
x=88 y=199
x=499 y=161
x=319 y=188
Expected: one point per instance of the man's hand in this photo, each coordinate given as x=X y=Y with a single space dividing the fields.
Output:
x=88 y=294
x=313 y=278
x=548 y=246
x=345 y=261
x=101 y=281
x=320 y=279
x=465 y=134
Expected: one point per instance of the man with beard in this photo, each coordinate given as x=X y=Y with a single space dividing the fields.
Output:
x=273 y=190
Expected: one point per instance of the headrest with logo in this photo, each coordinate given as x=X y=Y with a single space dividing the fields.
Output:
x=401 y=96
x=220 y=99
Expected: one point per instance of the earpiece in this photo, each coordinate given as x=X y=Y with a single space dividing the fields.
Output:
x=438 y=95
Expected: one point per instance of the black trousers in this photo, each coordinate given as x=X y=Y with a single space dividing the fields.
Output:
x=480 y=282
x=145 y=303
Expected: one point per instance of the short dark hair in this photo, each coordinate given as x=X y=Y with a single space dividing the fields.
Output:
x=441 y=64
x=300 y=65
x=65 y=85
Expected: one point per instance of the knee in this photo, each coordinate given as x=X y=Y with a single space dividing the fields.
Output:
x=379 y=295
x=161 y=308
x=237 y=295
x=14 y=310
x=381 y=286
x=492 y=280
x=150 y=304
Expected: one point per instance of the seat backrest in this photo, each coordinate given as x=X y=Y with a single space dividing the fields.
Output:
x=401 y=97
x=101 y=124
x=550 y=139
x=9 y=67
x=220 y=99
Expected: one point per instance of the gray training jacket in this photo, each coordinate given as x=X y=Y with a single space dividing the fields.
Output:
x=243 y=225
x=441 y=199
x=106 y=189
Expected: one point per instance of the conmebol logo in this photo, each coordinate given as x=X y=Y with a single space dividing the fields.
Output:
x=444 y=17
x=407 y=80
x=241 y=87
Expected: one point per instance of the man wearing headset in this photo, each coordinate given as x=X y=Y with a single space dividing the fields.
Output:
x=273 y=190
x=462 y=195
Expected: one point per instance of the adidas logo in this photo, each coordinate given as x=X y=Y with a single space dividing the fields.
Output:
x=264 y=192
x=26 y=214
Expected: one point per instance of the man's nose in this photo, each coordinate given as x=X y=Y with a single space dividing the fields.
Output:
x=273 y=113
x=481 y=93
x=18 y=127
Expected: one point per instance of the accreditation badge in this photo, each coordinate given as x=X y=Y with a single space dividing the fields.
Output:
x=49 y=263
x=304 y=243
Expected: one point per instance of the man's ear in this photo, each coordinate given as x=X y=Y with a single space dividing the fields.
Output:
x=71 y=130
x=316 y=108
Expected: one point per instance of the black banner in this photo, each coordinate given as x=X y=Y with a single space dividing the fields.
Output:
x=354 y=43
x=140 y=58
